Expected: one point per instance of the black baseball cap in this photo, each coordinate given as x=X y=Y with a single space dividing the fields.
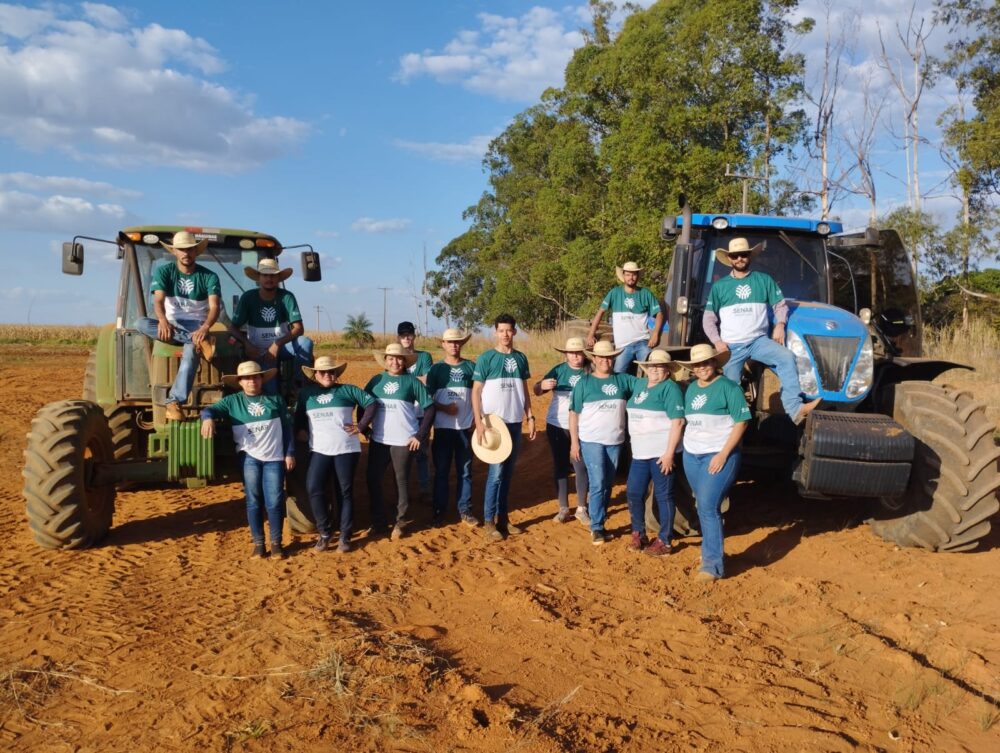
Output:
x=406 y=328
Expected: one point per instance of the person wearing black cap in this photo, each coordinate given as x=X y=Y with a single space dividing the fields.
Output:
x=406 y=334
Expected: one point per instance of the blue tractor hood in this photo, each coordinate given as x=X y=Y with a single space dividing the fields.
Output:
x=832 y=341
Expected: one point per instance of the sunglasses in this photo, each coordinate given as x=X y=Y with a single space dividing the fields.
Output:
x=740 y=255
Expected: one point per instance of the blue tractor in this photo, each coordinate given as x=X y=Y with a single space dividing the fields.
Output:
x=924 y=453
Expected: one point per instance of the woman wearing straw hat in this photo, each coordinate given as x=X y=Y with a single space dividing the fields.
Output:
x=597 y=429
x=450 y=384
x=324 y=417
x=655 y=426
x=396 y=433
x=716 y=414
x=560 y=380
x=262 y=430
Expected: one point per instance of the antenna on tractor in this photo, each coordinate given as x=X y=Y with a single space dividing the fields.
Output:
x=746 y=184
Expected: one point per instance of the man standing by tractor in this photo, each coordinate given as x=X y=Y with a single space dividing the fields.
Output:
x=736 y=319
x=274 y=329
x=186 y=303
x=406 y=335
x=630 y=306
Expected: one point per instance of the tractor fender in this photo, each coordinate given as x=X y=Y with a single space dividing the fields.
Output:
x=912 y=370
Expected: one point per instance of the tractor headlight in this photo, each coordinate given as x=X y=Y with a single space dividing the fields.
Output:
x=808 y=380
x=864 y=371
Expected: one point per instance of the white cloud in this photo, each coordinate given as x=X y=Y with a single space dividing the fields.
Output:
x=506 y=57
x=470 y=151
x=63 y=185
x=326 y=234
x=101 y=90
x=371 y=225
x=58 y=213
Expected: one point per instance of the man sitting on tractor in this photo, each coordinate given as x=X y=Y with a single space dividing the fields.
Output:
x=186 y=303
x=273 y=323
x=630 y=306
x=739 y=302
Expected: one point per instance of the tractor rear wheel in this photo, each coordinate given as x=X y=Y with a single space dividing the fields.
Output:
x=952 y=493
x=297 y=509
x=65 y=511
x=685 y=512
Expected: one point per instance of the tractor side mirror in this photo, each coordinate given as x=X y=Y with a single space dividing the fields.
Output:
x=668 y=229
x=72 y=258
x=311 y=271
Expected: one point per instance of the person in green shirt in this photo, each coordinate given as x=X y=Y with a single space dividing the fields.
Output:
x=631 y=306
x=406 y=335
x=270 y=315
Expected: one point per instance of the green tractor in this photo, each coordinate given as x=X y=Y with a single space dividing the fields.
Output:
x=80 y=451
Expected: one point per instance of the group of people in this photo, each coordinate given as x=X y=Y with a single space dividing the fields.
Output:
x=461 y=407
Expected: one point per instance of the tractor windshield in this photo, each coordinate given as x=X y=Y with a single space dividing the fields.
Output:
x=796 y=261
x=227 y=263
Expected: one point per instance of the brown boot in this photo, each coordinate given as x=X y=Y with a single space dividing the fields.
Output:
x=491 y=533
x=174 y=412
x=207 y=347
x=806 y=409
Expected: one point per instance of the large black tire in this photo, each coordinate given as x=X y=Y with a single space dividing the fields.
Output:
x=297 y=508
x=64 y=511
x=90 y=378
x=952 y=493
x=685 y=513
x=125 y=434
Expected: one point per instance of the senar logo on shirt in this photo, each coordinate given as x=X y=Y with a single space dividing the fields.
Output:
x=185 y=285
x=574 y=379
x=630 y=303
x=324 y=399
x=699 y=401
x=610 y=389
x=255 y=409
x=510 y=365
x=742 y=292
x=456 y=375
x=641 y=397
x=269 y=313
x=390 y=388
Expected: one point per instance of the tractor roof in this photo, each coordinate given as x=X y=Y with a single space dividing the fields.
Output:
x=761 y=222
x=217 y=236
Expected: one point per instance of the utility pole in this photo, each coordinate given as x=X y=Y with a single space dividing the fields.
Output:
x=317 y=316
x=385 y=307
x=746 y=185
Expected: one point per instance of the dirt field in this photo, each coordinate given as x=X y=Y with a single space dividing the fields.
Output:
x=168 y=637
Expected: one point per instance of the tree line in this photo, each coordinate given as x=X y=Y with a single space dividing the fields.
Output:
x=684 y=94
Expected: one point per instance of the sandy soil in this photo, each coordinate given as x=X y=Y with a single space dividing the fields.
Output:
x=168 y=637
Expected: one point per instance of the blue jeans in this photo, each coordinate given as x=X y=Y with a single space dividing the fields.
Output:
x=777 y=357
x=498 y=481
x=635 y=351
x=559 y=443
x=601 y=461
x=709 y=490
x=299 y=350
x=339 y=468
x=639 y=475
x=264 y=486
x=188 y=368
x=452 y=444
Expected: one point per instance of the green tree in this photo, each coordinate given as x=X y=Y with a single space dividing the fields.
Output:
x=359 y=331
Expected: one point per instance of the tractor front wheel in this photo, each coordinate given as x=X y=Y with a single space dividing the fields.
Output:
x=952 y=493
x=68 y=439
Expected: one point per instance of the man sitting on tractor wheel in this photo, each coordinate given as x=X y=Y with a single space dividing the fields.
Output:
x=739 y=303
x=186 y=303
x=273 y=323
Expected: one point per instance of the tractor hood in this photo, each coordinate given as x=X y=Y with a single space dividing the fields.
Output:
x=833 y=351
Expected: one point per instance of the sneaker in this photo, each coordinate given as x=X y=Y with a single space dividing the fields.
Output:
x=277 y=550
x=174 y=412
x=397 y=532
x=582 y=516
x=657 y=548
x=470 y=520
x=637 y=542
x=703 y=576
x=322 y=543
x=344 y=546
x=259 y=552
x=563 y=516
x=207 y=348
x=597 y=538
x=491 y=532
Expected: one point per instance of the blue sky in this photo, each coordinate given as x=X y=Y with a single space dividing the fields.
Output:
x=358 y=128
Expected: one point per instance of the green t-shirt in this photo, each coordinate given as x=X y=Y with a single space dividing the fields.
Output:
x=503 y=376
x=742 y=305
x=398 y=396
x=266 y=321
x=451 y=384
x=600 y=403
x=185 y=296
x=262 y=427
x=711 y=412
x=329 y=410
x=566 y=378
x=630 y=313
x=650 y=413
x=422 y=366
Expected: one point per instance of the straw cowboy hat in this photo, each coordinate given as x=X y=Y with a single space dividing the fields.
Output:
x=705 y=352
x=267 y=267
x=324 y=363
x=573 y=345
x=737 y=245
x=660 y=357
x=629 y=266
x=395 y=349
x=453 y=335
x=604 y=348
x=185 y=241
x=245 y=369
x=496 y=444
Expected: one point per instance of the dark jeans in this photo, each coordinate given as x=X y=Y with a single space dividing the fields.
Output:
x=379 y=457
x=559 y=444
x=264 y=486
x=498 y=479
x=639 y=475
x=340 y=469
x=448 y=445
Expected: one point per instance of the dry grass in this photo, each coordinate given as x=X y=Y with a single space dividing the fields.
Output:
x=978 y=346
x=47 y=334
